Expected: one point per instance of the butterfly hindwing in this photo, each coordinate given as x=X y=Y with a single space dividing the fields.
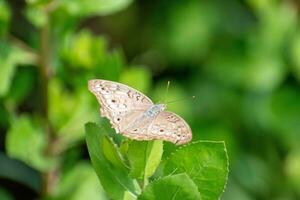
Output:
x=169 y=126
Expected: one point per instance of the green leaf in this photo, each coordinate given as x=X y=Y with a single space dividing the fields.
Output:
x=128 y=196
x=10 y=57
x=78 y=50
x=292 y=169
x=144 y=157
x=37 y=16
x=7 y=68
x=111 y=66
x=26 y=141
x=17 y=171
x=175 y=187
x=87 y=188
x=112 y=154
x=22 y=85
x=66 y=111
x=114 y=181
x=87 y=51
x=205 y=162
x=93 y=7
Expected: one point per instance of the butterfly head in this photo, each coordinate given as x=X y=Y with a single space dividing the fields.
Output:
x=162 y=106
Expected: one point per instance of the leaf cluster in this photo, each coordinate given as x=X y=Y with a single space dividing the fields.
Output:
x=137 y=169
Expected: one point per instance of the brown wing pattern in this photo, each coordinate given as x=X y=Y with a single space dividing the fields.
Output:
x=119 y=103
x=125 y=108
x=169 y=126
x=166 y=126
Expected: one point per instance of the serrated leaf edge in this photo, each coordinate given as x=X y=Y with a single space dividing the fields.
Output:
x=202 y=141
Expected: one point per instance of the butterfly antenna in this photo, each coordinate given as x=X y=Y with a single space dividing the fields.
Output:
x=167 y=90
x=183 y=99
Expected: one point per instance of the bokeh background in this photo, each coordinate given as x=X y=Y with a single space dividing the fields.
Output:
x=240 y=58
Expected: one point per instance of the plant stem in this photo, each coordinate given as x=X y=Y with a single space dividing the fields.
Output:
x=49 y=177
x=44 y=71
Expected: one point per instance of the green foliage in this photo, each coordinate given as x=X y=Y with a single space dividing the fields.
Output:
x=144 y=158
x=14 y=170
x=10 y=57
x=206 y=164
x=113 y=179
x=137 y=77
x=93 y=7
x=239 y=58
x=292 y=169
x=194 y=170
x=88 y=187
x=26 y=141
x=176 y=187
x=5 y=16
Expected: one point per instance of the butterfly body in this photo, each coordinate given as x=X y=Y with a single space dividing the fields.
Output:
x=155 y=110
x=134 y=115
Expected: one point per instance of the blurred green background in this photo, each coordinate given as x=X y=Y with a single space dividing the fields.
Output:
x=241 y=59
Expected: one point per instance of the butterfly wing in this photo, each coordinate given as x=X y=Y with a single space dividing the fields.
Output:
x=138 y=130
x=165 y=126
x=170 y=127
x=120 y=103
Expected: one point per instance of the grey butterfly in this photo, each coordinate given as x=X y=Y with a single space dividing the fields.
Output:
x=133 y=114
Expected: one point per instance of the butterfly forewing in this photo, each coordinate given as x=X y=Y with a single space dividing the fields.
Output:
x=119 y=103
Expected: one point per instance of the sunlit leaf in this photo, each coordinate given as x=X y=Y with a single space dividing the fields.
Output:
x=113 y=180
x=93 y=7
x=26 y=141
x=10 y=57
x=37 y=16
x=292 y=169
x=79 y=49
x=205 y=162
x=128 y=196
x=144 y=157
x=175 y=187
x=86 y=51
x=68 y=110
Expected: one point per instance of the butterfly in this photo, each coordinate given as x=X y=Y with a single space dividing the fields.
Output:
x=134 y=115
